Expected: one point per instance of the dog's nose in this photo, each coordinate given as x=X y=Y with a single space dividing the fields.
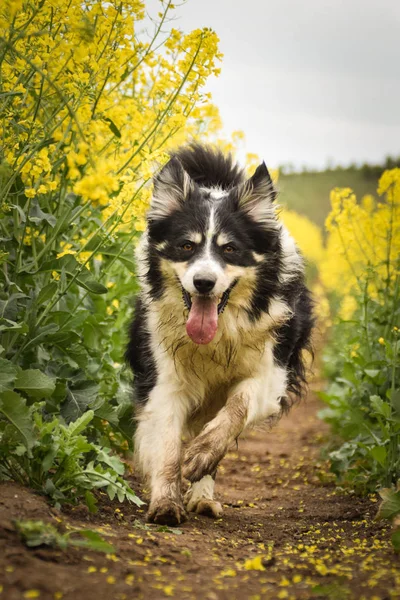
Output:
x=202 y=285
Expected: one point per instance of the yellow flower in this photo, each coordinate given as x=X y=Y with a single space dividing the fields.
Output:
x=82 y=257
x=30 y=192
x=67 y=250
x=381 y=341
x=348 y=307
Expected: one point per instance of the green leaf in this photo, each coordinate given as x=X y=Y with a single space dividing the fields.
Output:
x=86 y=281
x=379 y=453
x=126 y=259
x=349 y=372
x=79 y=397
x=38 y=533
x=35 y=383
x=80 y=424
x=91 y=502
x=68 y=264
x=106 y=412
x=395 y=401
x=8 y=325
x=396 y=540
x=14 y=408
x=390 y=506
x=372 y=372
x=166 y=529
x=8 y=374
x=92 y=541
x=48 y=460
x=46 y=293
x=37 y=216
x=113 y=127
x=381 y=407
x=104 y=456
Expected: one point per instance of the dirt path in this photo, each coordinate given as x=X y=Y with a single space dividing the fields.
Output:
x=284 y=534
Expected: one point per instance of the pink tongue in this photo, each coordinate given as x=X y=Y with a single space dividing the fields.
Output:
x=202 y=323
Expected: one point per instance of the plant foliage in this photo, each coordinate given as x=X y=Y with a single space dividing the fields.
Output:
x=362 y=360
x=88 y=102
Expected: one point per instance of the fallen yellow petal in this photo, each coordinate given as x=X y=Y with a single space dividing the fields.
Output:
x=254 y=564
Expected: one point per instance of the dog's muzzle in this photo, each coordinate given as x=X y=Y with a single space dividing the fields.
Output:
x=222 y=303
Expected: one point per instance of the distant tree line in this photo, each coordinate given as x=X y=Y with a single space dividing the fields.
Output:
x=368 y=170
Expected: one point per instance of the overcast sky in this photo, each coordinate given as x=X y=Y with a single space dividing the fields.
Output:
x=307 y=80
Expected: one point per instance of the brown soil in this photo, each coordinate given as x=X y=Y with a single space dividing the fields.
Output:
x=286 y=533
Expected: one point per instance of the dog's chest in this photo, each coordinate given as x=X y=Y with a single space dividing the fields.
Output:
x=235 y=353
x=221 y=364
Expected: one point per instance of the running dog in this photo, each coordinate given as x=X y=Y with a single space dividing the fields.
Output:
x=220 y=325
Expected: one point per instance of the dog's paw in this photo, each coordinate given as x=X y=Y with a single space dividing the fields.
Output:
x=166 y=512
x=204 y=506
x=209 y=508
x=202 y=458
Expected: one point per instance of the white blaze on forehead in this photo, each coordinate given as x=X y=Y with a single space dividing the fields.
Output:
x=210 y=229
x=216 y=193
x=206 y=265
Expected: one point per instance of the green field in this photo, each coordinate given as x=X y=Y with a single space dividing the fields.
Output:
x=308 y=192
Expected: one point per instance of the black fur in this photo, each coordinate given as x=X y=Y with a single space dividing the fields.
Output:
x=208 y=167
x=139 y=354
x=294 y=337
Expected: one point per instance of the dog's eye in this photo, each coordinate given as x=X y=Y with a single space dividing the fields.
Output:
x=187 y=246
x=229 y=249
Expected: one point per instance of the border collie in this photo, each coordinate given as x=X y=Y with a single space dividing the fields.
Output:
x=221 y=322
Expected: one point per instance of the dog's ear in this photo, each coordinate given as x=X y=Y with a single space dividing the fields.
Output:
x=256 y=195
x=172 y=186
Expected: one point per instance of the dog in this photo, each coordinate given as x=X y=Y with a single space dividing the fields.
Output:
x=220 y=325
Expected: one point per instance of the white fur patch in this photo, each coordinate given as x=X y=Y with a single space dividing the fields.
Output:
x=199 y=490
x=256 y=202
x=293 y=263
x=258 y=257
x=222 y=239
x=169 y=194
x=158 y=437
x=266 y=390
x=216 y=193
x=195 y=236
x=210 y=229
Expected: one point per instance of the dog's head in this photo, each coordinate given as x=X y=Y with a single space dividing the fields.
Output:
x=208 y=240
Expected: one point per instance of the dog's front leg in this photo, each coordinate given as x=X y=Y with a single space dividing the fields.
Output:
x=158 y=453
x=209 y=447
